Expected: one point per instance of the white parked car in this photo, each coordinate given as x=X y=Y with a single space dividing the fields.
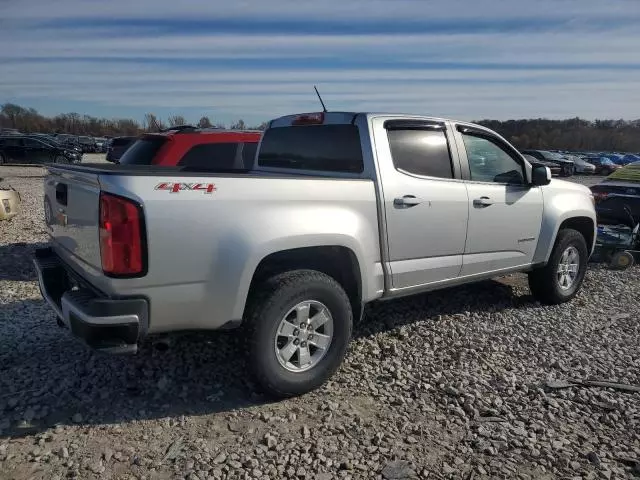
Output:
x=581 y=165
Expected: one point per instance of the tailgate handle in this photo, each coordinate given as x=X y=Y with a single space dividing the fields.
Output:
x=61 y=193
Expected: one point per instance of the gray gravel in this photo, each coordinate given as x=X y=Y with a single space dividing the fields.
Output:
x=469 y=382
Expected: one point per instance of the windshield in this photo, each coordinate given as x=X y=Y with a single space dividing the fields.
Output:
x=553 y=156
x=143 y=151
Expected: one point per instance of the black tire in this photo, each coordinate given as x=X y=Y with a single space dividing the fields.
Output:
x=544 y=282
x=270 y=304
x=60 y=159
x=3 y=160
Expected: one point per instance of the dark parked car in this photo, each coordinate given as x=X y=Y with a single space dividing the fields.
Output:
x=618 y=196
x=117 y=147
x=101 y=144
x=568 y=167
x=554 y=167
x=88 y=144
x=26 y=149
x=69 y=141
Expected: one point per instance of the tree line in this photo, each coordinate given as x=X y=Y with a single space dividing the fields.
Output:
x=29 y=120
x=570 y=134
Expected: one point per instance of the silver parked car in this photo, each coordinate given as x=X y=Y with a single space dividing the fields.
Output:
x=581 y=165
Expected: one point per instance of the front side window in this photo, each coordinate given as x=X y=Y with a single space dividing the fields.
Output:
x=421 y=152
x=32 y=143
x=489 y=162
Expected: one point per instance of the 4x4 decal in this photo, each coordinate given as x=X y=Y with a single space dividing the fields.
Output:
x=173 y=187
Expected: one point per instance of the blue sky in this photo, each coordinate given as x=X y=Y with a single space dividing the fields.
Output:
x=467 y=59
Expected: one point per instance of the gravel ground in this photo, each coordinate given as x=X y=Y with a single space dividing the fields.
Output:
x=463 y=383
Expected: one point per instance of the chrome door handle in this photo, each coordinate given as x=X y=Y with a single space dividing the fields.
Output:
x=406 y=201
x=482 y=202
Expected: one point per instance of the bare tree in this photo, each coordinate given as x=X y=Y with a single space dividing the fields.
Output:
x=175 y=120
x=239 y=125
x=204 y=122
x=153 y=123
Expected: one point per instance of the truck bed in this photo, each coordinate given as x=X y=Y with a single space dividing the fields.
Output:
x=204 y=241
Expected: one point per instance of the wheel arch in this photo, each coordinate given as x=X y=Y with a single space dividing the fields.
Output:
x=584 y=225
x=337 y=261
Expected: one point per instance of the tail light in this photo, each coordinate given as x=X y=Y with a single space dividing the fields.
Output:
x=600 y=196
x=121 y=236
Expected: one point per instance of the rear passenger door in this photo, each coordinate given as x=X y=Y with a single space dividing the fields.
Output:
x=425 y=201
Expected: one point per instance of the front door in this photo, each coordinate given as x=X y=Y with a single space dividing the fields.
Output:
x=425 y=202
x=505 y=212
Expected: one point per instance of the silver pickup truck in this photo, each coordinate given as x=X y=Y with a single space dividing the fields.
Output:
x=339 y=209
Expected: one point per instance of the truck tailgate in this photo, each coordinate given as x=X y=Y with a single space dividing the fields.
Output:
x=71 y=205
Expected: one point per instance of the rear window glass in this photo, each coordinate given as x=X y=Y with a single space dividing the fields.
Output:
x=142 y=152
x=327 y=148
x=119 y=142
x=213 y=156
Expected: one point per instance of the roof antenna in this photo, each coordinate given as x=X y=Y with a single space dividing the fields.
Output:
x=324 y=109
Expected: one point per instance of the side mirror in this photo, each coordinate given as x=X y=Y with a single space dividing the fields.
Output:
x=540 y=175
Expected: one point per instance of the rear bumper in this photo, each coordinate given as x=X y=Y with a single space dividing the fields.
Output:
x=109 y=325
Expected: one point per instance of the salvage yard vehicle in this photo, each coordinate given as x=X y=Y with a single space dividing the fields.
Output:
x=554 y=168
x=618 y=197
x=567 y=166
x=581 y=165
x=88 y=144
x=23 y=149
x=9 y=201
x=117 y=147
x=338 y=210
x=209 y=148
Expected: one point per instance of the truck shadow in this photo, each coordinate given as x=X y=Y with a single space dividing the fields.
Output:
x=16 y=261
x=47 y=378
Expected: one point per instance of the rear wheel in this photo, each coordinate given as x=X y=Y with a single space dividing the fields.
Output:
x=560 y=279
x=3 y=160
x=298 y=330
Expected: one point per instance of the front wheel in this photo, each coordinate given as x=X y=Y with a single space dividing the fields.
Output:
x=60 y=159
x=298 y=330
x=560 y=279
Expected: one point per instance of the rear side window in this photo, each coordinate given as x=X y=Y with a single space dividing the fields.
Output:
x=12 y=142
x=326 y=148
x=249 y=154
x=421 y=152
x=143 y=151
x=213 y=156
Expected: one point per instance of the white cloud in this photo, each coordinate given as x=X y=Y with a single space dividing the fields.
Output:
x=594 y=33
x=356 y=10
